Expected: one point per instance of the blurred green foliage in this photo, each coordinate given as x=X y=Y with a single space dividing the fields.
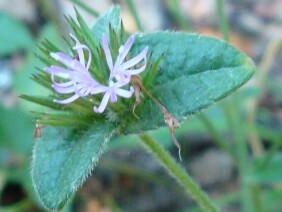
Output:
x=16 y=141
x=14 y=36
x=23 y=83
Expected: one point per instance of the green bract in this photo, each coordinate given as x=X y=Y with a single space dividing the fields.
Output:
x=186 y=73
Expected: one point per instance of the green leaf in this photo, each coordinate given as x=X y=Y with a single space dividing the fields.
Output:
x=111 y=17
x=63 y=158
x=195 y=71
x=14 y=36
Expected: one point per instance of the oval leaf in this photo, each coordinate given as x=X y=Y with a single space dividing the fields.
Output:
x=63 y=158
x=195 y=71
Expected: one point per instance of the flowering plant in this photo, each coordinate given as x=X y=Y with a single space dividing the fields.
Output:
x=171 y=74
x=82 y=84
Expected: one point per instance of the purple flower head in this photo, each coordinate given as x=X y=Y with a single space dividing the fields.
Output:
x=111 y=93
x=122 y=70
x=77 y=80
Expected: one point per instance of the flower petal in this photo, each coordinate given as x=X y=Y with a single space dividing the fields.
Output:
x=103 y=103
x=123 y=77
x=123 y=51
x=67 y=101
x=124 y=93
x=58 y=71
x=63 y=84
x=87 y=92
x=113 y=97
x=63 y=90
x=79 y=50
x=132 y=62
x=137 y=71
x=127 y=46
x=62 y=58
x=107 y=51
x=79 y=90
x=98 y=89
x=120 y=83
x=81 y=47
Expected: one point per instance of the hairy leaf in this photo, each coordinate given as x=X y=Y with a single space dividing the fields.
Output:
x=195 y=71
x=63 y=158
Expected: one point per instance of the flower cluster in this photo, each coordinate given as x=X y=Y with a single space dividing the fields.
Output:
x=78 y=81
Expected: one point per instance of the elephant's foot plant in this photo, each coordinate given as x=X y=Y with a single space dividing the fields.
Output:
x=92 y=87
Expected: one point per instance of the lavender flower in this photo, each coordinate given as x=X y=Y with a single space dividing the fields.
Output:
x=111 y=93
x=79 y=82
x=121 y=70
x=77 y=78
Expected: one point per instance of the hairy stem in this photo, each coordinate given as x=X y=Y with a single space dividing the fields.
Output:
x=178 y=173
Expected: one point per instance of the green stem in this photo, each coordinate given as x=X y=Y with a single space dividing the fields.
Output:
x=178 y=173
x=264 y=67
x=222 y=20
x=133 y=12
x=257 y=198
x=85 y=7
